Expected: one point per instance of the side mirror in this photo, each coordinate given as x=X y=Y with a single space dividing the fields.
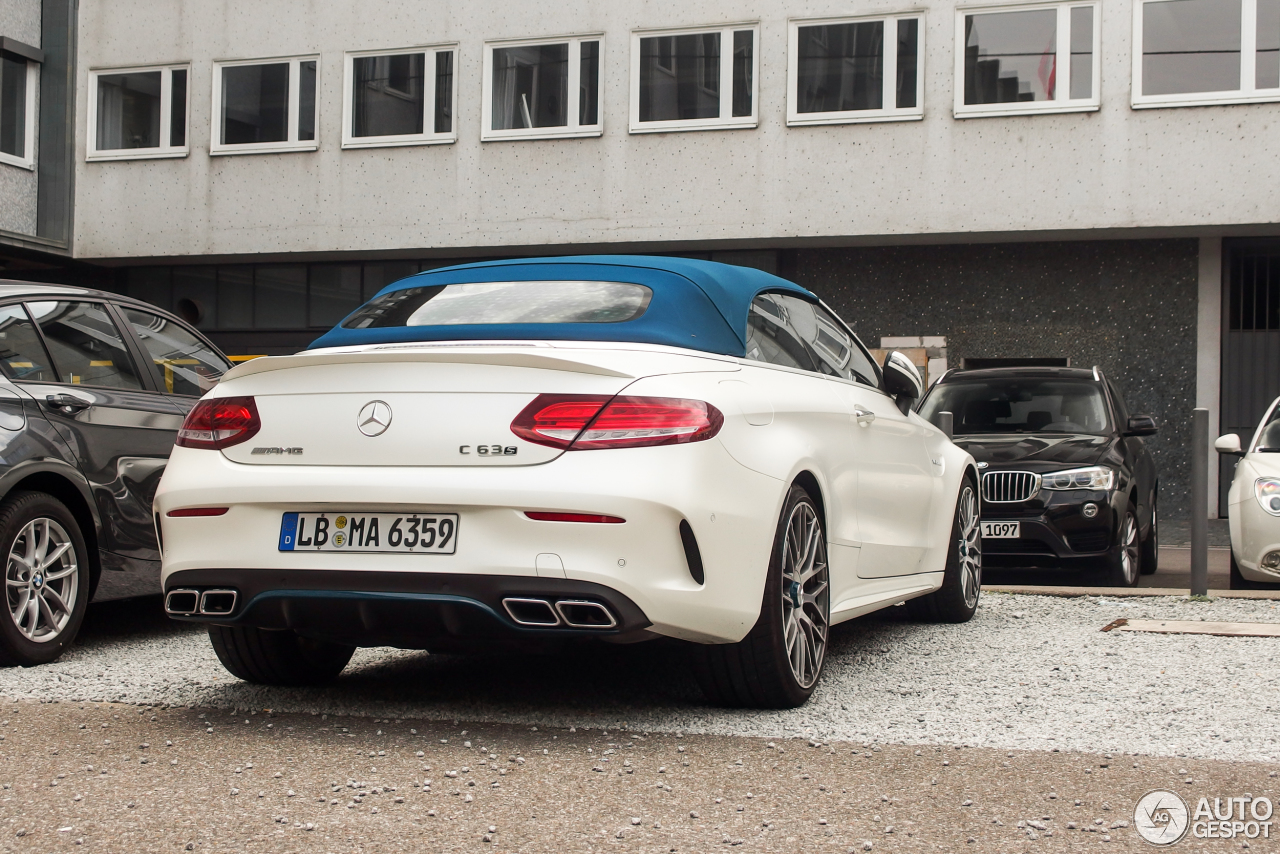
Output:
x=1228 y=445
x=902 y=381
x=1141 y=425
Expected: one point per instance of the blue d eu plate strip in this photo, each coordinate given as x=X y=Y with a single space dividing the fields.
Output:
x=288 y=532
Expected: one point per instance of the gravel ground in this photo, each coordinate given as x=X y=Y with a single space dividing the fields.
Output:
x=1029 y=672
x=121 y=779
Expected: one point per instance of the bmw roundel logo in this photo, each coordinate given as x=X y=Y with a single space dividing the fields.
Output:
x=374 y=418
x=983 y=465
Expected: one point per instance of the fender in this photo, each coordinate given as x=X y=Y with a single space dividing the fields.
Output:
x=48 y=465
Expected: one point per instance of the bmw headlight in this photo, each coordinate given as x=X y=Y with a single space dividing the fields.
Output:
x=1267 y=490
x=1094 y=477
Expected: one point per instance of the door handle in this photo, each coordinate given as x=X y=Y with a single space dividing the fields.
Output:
x=67 y=403
x=864 y=417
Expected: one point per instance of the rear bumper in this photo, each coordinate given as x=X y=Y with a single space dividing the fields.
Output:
x=731 y=510
x=436 y=611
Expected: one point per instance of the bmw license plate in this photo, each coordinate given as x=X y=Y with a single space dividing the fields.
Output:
x=395 y=533
x=1001 y=530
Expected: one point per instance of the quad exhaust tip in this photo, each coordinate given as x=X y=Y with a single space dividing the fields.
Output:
x=188 y=603
x=218 y=602
x=573 y=613
x=581 y=614
x=182 y=602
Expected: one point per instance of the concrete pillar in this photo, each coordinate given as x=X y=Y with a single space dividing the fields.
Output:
x=1209 y=350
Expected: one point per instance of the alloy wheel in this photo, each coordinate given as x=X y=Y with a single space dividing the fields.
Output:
x=805 y=595
x=42 y=580
x=1129 y=548
x=969 y=547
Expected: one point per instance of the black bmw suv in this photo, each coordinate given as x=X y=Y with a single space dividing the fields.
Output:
x=1066 y=478
x=93 y=388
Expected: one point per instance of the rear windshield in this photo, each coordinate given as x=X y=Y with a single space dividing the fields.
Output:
x=504 y=302
x=1020 y=406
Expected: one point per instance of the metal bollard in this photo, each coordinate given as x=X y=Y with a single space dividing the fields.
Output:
x=946 y=423
x=1200 y=502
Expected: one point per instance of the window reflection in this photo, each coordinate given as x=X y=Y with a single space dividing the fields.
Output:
x=1010 y=57
x=841 y=67
x=1190 y=46
x=530 y=86
x=388 y=94
x=129 y=110
x=680 y=77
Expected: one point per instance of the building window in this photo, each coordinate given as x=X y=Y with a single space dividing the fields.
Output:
x=402 y=97
x=18 y=104
x=694 y=79
x=542 y=89
x=1191 y=52
x=1027 y=59
x=840 y=71
x=264 y=105
x=138 y=113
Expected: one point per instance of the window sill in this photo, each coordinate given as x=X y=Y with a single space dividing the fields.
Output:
x=540 y=133
x=996 y=110
x=19 y=162
x=675 y=127
x=397 y=142
x=137 y=154
x=860 y=117
x=1204 y=99
x=268 y=148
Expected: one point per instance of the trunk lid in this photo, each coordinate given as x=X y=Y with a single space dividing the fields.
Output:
x=426 y=406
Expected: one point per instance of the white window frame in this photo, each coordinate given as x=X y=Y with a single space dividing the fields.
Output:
x=726 y=120
x=573 y=108
x=890 y=92
x=216 y=146
x=166 y=117
x=1248 y=93
x=28 y=160
x=1062 y=102
x=428 y=135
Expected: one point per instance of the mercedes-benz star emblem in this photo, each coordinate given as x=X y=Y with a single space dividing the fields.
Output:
x=374 y=418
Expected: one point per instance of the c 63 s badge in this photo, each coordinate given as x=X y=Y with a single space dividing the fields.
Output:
x=489 y=450
x=288 y=452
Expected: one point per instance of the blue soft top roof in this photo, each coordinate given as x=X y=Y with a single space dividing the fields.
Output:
x=699 y=305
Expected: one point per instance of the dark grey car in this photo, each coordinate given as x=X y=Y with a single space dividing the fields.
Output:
x=94 y=388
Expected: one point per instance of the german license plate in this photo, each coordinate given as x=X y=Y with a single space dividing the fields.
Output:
x=393 y=533
x=1001 y=530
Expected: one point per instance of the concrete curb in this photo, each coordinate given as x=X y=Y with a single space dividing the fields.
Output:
x=1070 y=592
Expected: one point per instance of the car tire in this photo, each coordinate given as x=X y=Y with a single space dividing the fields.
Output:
x=1124 y=561
x=44 y=604
x=277 y=657
x=1151 y=545
x=1239 y=582
x=778 y=664
x=956 y=601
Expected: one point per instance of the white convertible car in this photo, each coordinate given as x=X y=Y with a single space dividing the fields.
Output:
x=518 y=452
x=1254 y=503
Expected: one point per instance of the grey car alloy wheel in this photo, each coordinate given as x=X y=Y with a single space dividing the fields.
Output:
x=805 y=592
x=1130 y=548
x=42 y=580
x=969 y=547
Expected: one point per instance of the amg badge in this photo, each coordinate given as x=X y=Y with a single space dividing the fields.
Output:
x=293 y=452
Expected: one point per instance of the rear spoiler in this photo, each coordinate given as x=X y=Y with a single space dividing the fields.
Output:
x=538 y=361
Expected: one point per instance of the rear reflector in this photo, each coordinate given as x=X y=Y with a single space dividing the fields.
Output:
x=594 y=422
x=220 y=423
x=197 y=511
x=574 y=517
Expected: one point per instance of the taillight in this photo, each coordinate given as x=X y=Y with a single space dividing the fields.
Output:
x=220 y=423
x=557 y=419
x=593 y=422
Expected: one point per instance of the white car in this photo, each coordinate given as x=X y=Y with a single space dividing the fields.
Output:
x=1254 y=504
x=510 y=453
